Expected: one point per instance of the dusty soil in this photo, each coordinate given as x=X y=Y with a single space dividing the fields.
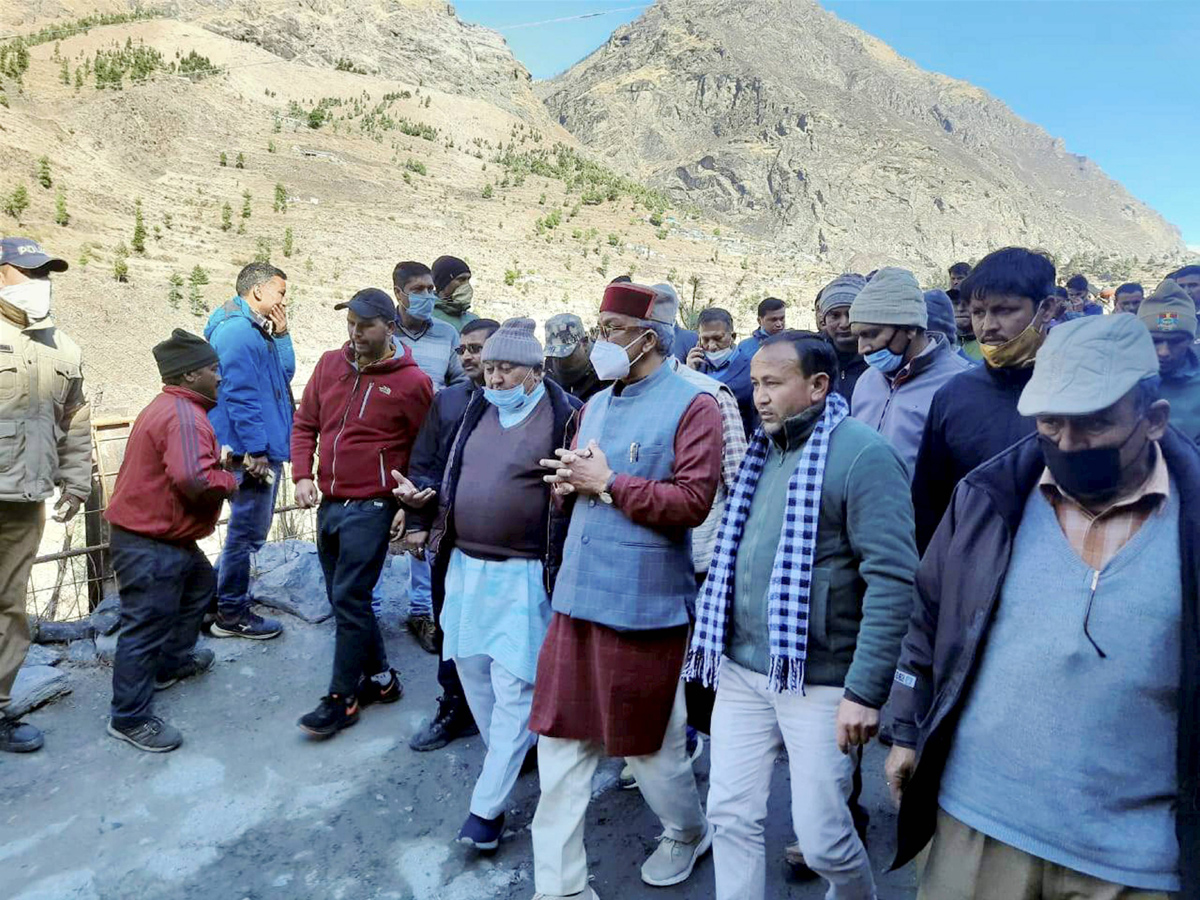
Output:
x=249 y=808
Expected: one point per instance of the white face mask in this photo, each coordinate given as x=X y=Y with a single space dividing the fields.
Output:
x=611 y=360
x=32 y=297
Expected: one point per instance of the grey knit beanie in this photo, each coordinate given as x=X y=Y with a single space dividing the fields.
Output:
x=892 y=297
x=514 y=343
x=840 y=292
x=941 y=315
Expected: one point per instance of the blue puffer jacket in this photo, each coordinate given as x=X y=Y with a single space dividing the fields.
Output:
x=254 y=407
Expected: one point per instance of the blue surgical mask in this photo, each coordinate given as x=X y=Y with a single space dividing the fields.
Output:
x=420 y=306
x=718 y=358
x=885 y=360
x=507 y=399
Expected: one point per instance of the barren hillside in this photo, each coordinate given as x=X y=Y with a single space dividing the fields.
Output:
x=778 y=116
x=372 y=170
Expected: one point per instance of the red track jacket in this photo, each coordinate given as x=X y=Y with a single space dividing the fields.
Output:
x=171 y=484
x=366 y=423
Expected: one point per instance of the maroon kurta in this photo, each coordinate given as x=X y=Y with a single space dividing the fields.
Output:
x=617 y=688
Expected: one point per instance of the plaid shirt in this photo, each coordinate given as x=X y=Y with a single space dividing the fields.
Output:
x=1097 y=538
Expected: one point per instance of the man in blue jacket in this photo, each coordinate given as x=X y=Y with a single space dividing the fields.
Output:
x=253 y=417
x=717 y=356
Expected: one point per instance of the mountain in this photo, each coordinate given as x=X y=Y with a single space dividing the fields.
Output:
x=785 y=120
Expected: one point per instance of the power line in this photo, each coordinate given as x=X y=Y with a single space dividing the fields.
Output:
x=591 y=15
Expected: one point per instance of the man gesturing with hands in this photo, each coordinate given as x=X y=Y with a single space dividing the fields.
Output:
x=363 y=408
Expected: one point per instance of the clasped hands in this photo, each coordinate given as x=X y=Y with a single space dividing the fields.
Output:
x=583 y=471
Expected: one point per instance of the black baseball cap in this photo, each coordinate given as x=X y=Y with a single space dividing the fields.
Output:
x=26 y=253
x=370 y=303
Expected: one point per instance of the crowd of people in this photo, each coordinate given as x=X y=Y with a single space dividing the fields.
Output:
x=964 y=521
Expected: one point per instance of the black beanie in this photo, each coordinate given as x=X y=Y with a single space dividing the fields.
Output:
x=183 y=352
x=446 y=269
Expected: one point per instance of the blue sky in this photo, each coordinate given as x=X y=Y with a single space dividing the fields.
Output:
x=1119 y=81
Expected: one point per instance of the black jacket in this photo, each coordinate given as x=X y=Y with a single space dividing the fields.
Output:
x=958 y=585
x=972 y=418
x=583 y=387
x=432 y=448
x=850 y=366
x=555 y=520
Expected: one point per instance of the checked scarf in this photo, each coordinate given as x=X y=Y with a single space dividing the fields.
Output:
x=791 y=576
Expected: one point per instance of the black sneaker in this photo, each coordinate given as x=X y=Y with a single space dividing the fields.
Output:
x=248 y=625
x=19 y=737
x=424 y=630
x=331 y=716
x=482 y=834
x=198 y=662
x=453 y=720
x=371 y=691
x=152 y=735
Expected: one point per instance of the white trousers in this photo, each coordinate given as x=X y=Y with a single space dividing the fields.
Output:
x=500 y=703
x=565 y=769
x=749 y=725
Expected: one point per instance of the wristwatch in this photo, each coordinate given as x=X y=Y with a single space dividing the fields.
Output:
x=605 y=495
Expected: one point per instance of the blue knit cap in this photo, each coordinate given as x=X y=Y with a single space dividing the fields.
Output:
x=941 y=315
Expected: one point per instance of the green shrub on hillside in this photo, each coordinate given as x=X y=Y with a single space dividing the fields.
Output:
x=17 y=202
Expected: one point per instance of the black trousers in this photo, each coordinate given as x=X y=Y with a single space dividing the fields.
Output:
x=352 y=543
x=165 y=589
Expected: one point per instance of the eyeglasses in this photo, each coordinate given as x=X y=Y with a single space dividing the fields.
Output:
x=473 y=349
x=606 y=332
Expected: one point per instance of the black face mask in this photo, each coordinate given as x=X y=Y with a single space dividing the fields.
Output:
x=1085 y=473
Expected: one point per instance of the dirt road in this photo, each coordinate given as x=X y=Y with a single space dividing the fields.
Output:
x=248 y=808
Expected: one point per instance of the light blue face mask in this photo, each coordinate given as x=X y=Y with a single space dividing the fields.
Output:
x=420 y=306
x=718 y=358
x=507 y=399
x=885 y=360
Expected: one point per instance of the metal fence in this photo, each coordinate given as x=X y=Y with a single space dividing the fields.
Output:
x=73 y=573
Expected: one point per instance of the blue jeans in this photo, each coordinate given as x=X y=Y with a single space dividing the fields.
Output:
x=352 y=543
x=164 y=589
x=420 y=593
x=250 y=511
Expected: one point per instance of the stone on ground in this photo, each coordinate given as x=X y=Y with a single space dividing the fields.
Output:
x=36 y=686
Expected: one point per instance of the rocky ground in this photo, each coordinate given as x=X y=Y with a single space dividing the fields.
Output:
x=250 y=808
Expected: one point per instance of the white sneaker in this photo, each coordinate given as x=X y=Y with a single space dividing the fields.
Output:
x=674 y=860
x=586 y=894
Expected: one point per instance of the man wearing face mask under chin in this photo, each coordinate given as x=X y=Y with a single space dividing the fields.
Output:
x=45 y=441
x=974 y=416
x=906 y=364
x=1047 y=698
x=452 y=281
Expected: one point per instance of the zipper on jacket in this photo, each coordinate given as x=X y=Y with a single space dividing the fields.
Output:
x=366 y=396
x=341 y=429
x=382 y=473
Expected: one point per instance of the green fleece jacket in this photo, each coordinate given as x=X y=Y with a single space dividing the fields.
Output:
x=865 y=561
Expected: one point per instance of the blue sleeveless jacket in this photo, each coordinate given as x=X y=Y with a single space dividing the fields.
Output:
x=616 y=572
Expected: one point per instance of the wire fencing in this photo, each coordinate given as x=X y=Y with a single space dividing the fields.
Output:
x=72 y=573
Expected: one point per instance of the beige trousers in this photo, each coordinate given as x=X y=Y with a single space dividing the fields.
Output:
x=965 y=864
x=565 y=771
x=21 y=526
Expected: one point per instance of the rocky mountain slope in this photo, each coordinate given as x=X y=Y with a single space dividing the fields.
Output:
x=780 y=117
x=230 y=151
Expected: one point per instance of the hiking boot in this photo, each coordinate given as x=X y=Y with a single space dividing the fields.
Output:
x=586 y=894
x=370 y=690
x=674 y=860
x=453 y=720
x=152 y=735
x=19 y=737
x=247 y=625
x=332 y=714
x=482 y=834
x=695 y=747
x=198 y=662
x=425 y=631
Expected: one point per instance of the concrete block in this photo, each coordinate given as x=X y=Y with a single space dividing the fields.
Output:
x=36 y=686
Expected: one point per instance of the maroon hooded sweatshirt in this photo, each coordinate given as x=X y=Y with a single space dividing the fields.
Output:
x=362 y=423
